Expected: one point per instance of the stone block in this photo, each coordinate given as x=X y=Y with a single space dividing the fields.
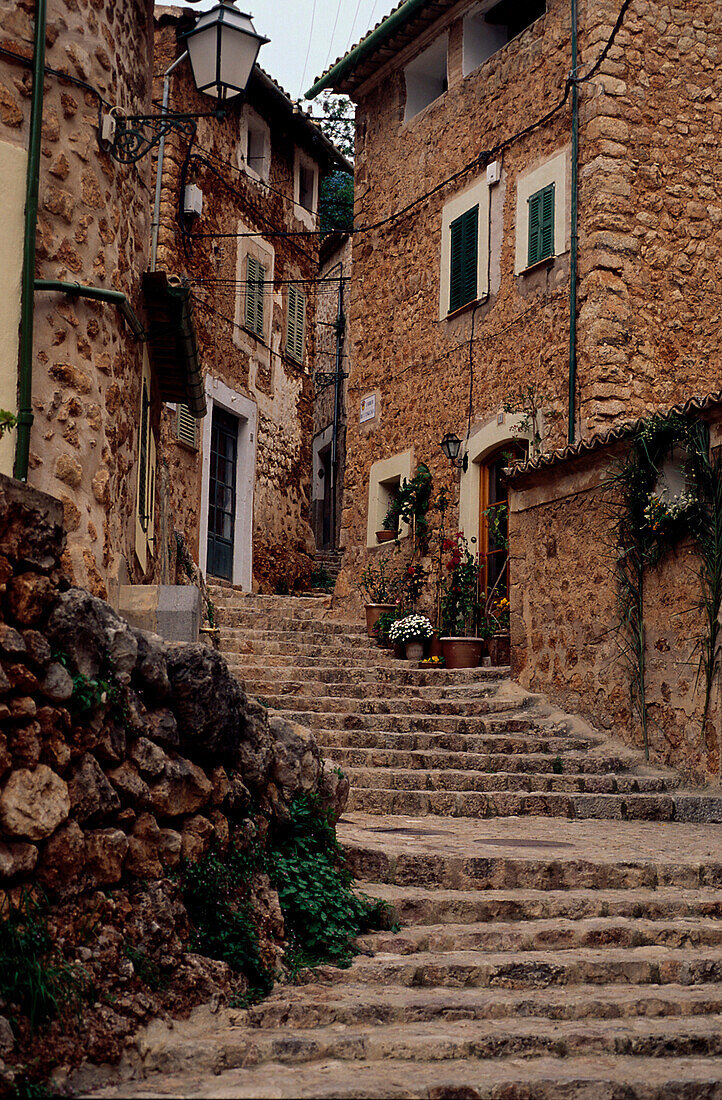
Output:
x=174 y=611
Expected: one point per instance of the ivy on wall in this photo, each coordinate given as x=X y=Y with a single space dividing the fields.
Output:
x=650 y=522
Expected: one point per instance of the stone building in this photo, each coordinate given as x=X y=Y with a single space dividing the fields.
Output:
x=328 y=448
x=467 y=180
x=89 y=395
x=239 y=484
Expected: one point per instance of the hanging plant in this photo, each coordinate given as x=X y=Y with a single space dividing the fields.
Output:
x=411 y=505
x=651 y=522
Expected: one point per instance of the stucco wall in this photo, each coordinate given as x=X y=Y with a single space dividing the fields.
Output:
x=566 y=640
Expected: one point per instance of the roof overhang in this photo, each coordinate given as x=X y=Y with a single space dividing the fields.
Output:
x=399 y=29
x=172 y=341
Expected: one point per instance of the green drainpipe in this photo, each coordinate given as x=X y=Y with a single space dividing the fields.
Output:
x=25 y=363
x=97 y=294
x=573 y=259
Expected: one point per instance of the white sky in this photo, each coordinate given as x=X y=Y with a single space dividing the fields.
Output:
x=306 y=35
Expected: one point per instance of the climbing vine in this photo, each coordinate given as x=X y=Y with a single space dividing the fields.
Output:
x=651 y=521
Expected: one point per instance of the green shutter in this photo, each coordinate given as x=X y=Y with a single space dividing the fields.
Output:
x=464 y=259
x=255 y=280
x=541 y=225
x=295 y=321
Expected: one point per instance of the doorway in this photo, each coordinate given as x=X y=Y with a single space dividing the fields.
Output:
x=494 y=520
x=222 y=493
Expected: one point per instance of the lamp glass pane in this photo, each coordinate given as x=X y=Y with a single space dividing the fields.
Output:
x=450 y=445
x=202 y=54
x=223 y=47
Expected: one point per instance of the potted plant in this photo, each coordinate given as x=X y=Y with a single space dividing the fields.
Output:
x=390 y=528
x=383 y=624
x=463 y=629
x=411 y=632
x=379 y=584
x=500 y=642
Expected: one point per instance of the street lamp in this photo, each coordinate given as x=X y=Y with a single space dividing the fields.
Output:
x=222 y=50
x=450 y=445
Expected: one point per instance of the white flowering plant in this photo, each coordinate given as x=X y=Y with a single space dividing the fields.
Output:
x=413 y=628
x=661 y=512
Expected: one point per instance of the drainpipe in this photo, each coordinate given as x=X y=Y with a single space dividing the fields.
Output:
x=97 y=294
x=25 y=361
x=159 y=169
x=573 y=260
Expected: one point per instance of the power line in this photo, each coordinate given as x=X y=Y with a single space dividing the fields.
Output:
x=308 y=49
x=333 y=32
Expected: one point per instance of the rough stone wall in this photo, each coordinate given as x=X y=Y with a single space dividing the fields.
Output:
x=564 y=617
x=93 y=228
x=651 y=219
x=649 y=238
x=120 y=756
x=263 y=372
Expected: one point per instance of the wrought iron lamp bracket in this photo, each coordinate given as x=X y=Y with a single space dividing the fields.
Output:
x=136 y=135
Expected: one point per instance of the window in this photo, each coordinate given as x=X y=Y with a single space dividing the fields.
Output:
x=541 y=225
x=464 y=258
x=254 y=152
x=426 y=77
x=295 y=323
x=385 y=477
x=255 y=293
x=145 y=495
x=186 y=427
x=486 y=32
x=306 y=179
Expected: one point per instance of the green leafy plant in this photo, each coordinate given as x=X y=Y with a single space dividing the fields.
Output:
x=460 y=606
x=7 y=421
x=322 y=579
x=147 y=970
x=534 y=406
x=380 y=582
x=382 y=626
x=35 y=979
x=321 y=911
x=411 y=505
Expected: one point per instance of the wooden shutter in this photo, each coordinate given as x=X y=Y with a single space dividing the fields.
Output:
x=464 y=259
x=186 y=427
x=295 y=323
x=541 y=225
x=255 y=280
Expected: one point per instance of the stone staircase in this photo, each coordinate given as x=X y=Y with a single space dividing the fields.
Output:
x=560 y=903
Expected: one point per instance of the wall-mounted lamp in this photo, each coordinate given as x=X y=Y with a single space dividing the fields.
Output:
x=451 y=445
x=222 y=50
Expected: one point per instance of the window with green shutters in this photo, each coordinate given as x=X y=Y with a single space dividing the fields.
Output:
x=541 y=225
x=255 y=288
x=295 y=321
x=464 y=259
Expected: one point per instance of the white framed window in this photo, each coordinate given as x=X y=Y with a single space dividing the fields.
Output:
x=489 y=27
x=305 y=188
x=426 y=77
x=255 y=290
x=385 y=478
x=542 y=211
x=254 y=153
x=464 y=249
x=295 y=323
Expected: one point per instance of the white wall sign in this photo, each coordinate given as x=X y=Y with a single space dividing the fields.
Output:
x=368 y=408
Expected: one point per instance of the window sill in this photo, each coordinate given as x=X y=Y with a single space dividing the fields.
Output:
x=465 y=308
x=253 y=335
x=547 y=262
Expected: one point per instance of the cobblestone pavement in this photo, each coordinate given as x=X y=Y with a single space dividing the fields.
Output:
x=560 y=903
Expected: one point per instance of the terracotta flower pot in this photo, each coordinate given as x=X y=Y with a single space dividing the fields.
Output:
x=374 y=611
x=385 y=536
x=399 y=651
x=414 y=651
x=500 y=649
x=462 y=652
x=435 y=648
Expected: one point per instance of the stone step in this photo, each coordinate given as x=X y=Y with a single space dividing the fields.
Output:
x=545 y=935
x=393 y=753
x=447 y=779
x=235 y=597
x=271 y=647
x=388 y=706
x=534 y=969
x=414 y=905
x=333 y=637
x=283 y=667
x=431 y=1043
x=365 y=683
x=351 y=1004
x=602 y=1077
x=421 y=723
x=300 y=621
x=500 y=743
x=453 y=803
